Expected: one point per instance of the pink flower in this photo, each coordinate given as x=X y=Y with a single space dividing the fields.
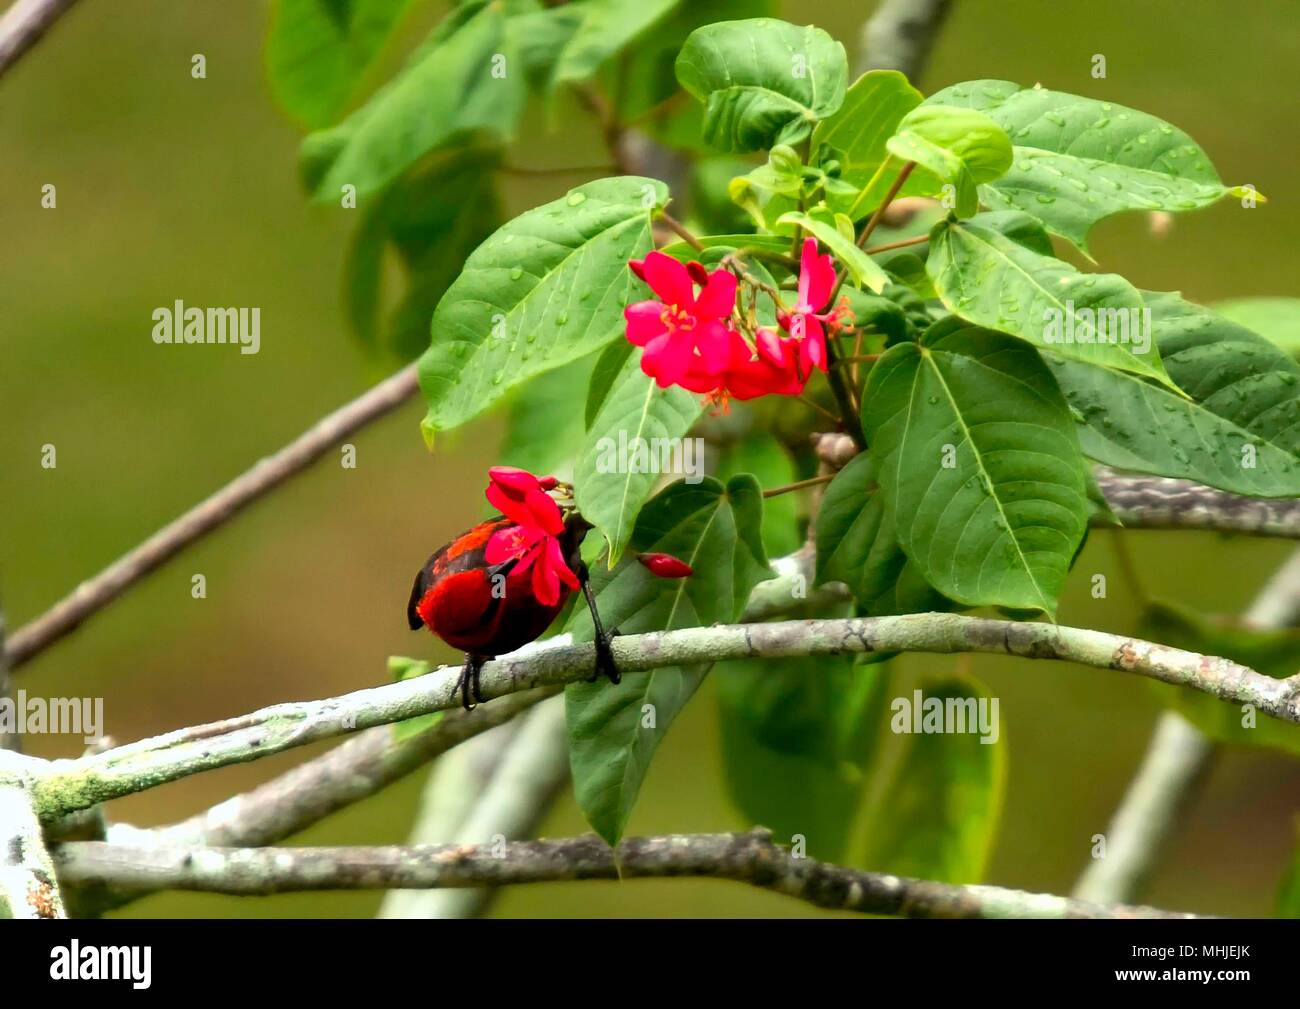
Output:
x=774 y=366
x=684 y=334
x=816 y=284
x=534 y=540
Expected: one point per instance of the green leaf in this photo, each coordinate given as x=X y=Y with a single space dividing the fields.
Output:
x=872 y=109
x=858 y=545
x=760 y=454
x=764 y=243
x=644 y=78
x=606 y=29
x=1079 y=160
x=863 y=270
x=545 y=289
x=959 y=147
x=990 y=279
x=762 y=81
x=636 y=439
x=1274 y=653
x=432 y=237
x=612 y=733
x=318 y=50
x=609 y=366
x=401 y=668
x=939 y=810
x=1275 y=319
x=979 y=465
x=540 y=35
x=1240 y=428
x=545 y=423
x=798 y=737
x=449 y=88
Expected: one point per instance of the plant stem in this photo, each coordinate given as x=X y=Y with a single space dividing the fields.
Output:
x=1128 y=568
x=819 y=408
x=798 y=485
x=860 y=359
x=681 y=231
x=844 y=399
x=890 y=246
x=889 y=198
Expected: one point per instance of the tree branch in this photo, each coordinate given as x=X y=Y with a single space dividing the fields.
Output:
x=94 y=594
x=66 y=786
x=898 y=36
x=24 y=24
x=9 y=740
x=28 y=888
x=747 y=858
x=530 y=771
x=1177 y=762
x=1152 y=502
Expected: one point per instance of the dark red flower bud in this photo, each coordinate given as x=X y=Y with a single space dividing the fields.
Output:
x=698 y=273
x=665 y=565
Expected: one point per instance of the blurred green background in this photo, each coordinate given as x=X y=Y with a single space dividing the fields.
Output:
x=170 y=187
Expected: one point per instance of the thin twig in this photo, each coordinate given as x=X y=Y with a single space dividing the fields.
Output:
x=813 y=404
x=681 y=231
x=874 y=220
x=24 y=24
x=95 y=593
x=813 y=481
x=901 y=244
x=746 y=858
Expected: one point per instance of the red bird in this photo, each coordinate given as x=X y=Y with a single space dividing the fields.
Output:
x=499 y=585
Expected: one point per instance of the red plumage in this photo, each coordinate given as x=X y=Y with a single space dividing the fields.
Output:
x=477 y=609
x=498 y=586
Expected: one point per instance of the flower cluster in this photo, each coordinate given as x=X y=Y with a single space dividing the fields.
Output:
x=535 y=538
x=692 y=335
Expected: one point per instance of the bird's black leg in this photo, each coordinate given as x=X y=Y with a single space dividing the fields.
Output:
x=469 y=680
x=604 y=655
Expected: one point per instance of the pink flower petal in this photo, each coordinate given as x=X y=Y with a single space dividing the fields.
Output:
x=667 y=358
x=546 y=584
x=545 y=512
x=510 y=506
x=669 y=279
x=718 y=297
x=713 y=340
x=515 y=479
x=644 y=321
x=556 y=562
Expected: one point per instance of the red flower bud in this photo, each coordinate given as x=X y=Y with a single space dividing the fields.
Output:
x=698 y=273
x=665 y=565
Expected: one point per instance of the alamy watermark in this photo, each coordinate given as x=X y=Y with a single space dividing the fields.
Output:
x=55 y=716
x=181 y=325
x=1128 y=326
x=946 y=716
x=678 y=456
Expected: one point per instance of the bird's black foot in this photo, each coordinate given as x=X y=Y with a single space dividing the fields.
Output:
x=469 y=683
x=605 y=658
